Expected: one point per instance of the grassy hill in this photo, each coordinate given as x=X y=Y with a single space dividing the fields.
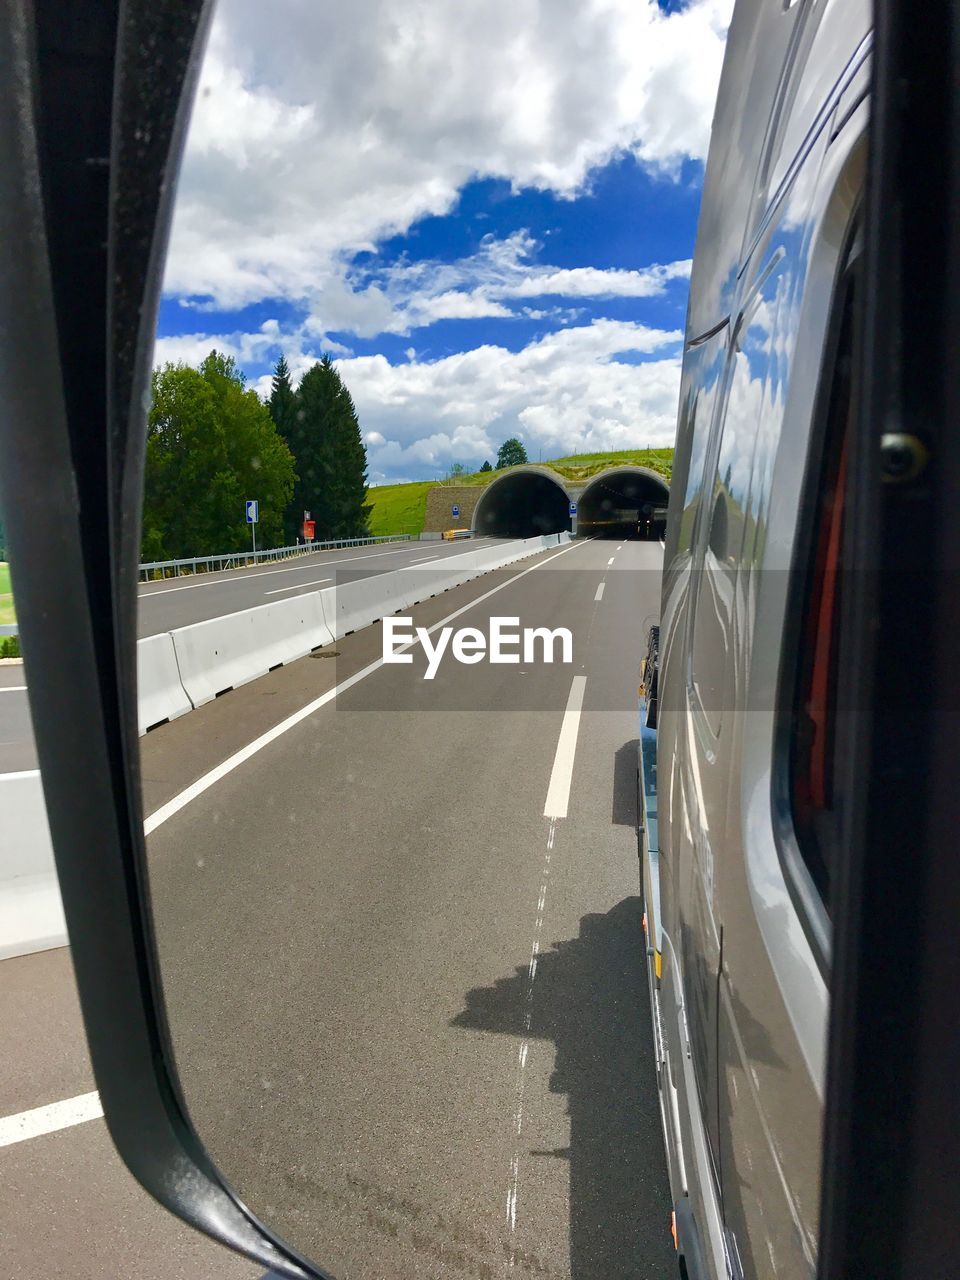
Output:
x=400 y=508
x=7 y=615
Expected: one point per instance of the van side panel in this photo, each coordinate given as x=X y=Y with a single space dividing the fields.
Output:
x=743 y=1000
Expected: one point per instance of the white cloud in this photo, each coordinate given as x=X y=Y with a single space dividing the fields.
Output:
x=565 y=392
x=319 y=130
x=408 y=295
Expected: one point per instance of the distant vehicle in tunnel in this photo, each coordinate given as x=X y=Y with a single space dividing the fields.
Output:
x=740 y=791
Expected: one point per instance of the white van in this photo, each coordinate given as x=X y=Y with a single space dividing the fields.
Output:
x=737 y=700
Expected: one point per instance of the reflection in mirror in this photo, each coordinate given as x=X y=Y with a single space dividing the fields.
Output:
x=409 y=446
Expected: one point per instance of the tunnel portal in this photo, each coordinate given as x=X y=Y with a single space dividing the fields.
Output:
x=522 y=504
x=626 y=502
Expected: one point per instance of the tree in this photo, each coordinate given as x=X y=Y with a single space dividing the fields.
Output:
x=211 y=444
x=486 y=466
x=457 y=470
x=511 y=453
x=282 y=399
x=331 y=458
x=283 y=409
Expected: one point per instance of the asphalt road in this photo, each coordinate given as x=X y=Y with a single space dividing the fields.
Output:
x=178 y=602
x=16 y=734
x=402 y=950
x=409 y=1009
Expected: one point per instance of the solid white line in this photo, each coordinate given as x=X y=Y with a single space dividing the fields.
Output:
x=58 y=1115
x=240 y=757
x=13 y=688
x=663 y=544
x=610 y=562
x=558 y=793
x=599 y=595
x=314 y=582
x=22 y=773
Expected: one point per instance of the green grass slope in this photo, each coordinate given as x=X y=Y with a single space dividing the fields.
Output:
x=7 y=615
x=401 y=508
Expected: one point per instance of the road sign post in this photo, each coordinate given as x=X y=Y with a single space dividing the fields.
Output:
x=455 y=512
x=573 y=519
x=253 y=515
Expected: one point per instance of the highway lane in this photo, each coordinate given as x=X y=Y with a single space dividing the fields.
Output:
x=408 y=1005
x=179 y=602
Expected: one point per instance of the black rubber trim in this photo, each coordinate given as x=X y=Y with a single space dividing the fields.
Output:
x=94 y=100
x=891 y=1198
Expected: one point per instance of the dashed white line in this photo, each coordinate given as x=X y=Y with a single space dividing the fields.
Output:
x=56 y=1115
x=558 y=792
x=314 y=582
x=610 y=562
x=424 y=559
x=13 y=688
x=599 y=595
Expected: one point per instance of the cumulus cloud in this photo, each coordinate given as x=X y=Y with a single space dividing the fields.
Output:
x=408 y=295
x=564 y=392
x=320 y=130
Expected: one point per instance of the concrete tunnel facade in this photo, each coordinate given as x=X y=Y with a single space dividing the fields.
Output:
x=621 y=502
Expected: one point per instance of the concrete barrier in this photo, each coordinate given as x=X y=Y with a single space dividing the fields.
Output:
x=31 y=913
x=160 y=693
x=226 y=652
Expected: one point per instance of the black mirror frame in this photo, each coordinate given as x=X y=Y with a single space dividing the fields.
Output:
x=890 y=1197
x=94 y=104
x=93 y=109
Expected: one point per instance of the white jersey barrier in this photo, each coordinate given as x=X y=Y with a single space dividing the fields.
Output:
x=31 y=914
x=160 y=692
x=226 y=652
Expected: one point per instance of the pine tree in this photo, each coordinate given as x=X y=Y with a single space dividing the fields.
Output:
x=330 y=455
x=283 y=408
x=486 y=466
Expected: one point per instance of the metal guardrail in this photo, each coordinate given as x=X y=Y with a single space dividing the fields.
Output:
x=159 y=569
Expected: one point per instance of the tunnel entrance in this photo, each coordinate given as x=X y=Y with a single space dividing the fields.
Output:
x=522 y=504
x=625 y=502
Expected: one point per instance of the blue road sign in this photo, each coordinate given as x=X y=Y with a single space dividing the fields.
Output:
x=573 y=508
x=253 y=511
x=455 y=512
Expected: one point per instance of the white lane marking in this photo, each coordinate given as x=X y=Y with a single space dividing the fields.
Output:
x=558 y=792
x=610 y=562
x=314 y=582
x=57 y=1115
x=265 y=573
x=423 y=559
x=599 y=595
x=22 y=773
x=240 y=757
x=523 y=1053
x=620 y=548
x=663 y=544
x=13 y=688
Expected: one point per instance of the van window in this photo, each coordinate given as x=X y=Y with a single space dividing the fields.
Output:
x=813 y=763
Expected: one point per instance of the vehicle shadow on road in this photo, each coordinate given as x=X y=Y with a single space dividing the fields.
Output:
x=625 y=797
x=589 y=996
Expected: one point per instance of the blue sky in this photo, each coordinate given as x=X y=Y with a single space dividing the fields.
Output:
x=488 y=224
